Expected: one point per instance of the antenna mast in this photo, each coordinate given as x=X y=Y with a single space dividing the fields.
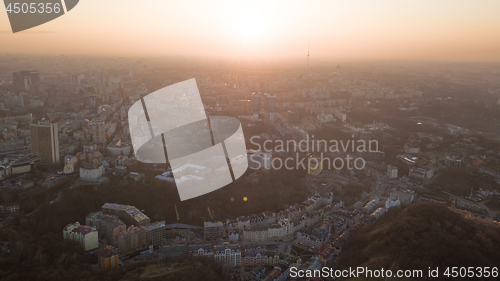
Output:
x=308 y=69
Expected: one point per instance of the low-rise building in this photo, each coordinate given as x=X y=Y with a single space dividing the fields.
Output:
x=118 y=148
x=392 y=202
x=453 y=162
x=377 y=213
x=341 y=219
x=340 y=115
x=256 y=274
x=259 y=159
x=406 y=197
x=172 y=251
x=91 y=172
x=9 y=208
x=233 y=236
x=371 y=205
x=228 y=255
x=417 y=173
x=433 y=199
x=254 y=258
x=412 y=148
x=263 y=233
x=213 y=230
x=313 y=237
x=315 y=166
x=392 y=172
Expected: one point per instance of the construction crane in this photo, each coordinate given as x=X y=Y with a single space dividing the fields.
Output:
x=176 y=212
x=211 y=218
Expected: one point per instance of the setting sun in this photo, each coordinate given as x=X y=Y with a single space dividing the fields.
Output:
x=250 y=24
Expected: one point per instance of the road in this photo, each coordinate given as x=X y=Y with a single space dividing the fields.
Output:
x=491 y=213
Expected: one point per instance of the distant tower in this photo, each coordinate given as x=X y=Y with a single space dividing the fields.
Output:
x=98 y=130
x=92 y=101
x=308 y=69
x=270 y=103
x=256 y=103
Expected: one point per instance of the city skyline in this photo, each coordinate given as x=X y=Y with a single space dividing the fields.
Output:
x=237 y=141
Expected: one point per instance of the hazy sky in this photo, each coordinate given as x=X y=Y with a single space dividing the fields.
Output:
x=423 y=29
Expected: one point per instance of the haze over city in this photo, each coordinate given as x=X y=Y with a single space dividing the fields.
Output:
x=346 y=30
x=249 y=141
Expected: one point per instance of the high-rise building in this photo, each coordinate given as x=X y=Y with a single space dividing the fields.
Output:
x=45 y=141
x=75 y=79
x=92 y=101
x=129 y=214
x=256 y=102
x=23 y=79
x=86 y=236
x=251 y=82
x=98 y=130
x=131 y=240
x=108 y=226
x=270 y=103
x=107 y=258
x=123 y=114
x=101 y=77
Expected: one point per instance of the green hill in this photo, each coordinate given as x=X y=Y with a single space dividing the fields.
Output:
x=422 y=236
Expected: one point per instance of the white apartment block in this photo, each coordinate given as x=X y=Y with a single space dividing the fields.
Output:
x=84 y=235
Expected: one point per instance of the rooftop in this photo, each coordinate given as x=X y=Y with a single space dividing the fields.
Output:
x=84 y=229
x=213 y=224
x=107 y=251
x=155 y=225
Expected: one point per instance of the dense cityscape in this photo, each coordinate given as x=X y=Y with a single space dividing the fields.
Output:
x=432 y=131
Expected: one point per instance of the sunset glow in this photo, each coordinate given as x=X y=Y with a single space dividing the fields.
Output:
x=250 y=24
x=277 y=29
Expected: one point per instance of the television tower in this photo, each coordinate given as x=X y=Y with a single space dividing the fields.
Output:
x=308 y=69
